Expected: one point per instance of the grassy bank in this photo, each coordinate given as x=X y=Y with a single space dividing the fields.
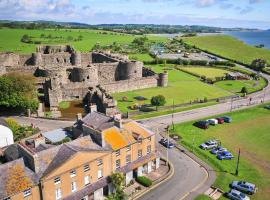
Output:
x=229 y=47
x=249 y=132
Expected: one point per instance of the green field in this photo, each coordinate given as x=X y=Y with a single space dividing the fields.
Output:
x=229 y=47
x=140 y=57
x=236 y=86
x=182 y=88
x=10 y=39
x=208 y=72
x=249 y=131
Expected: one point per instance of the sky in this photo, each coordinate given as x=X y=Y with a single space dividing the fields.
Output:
x=220 y=13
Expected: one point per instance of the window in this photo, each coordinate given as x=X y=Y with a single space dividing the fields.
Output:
x=118 y=164
x=72 y=173
x=58 y=193
x=7 y=198
x=128 y=148
x=148 y=149
x=73 y=186
x=27 y=192
x=100 y=162
x=140 y=140
x=86 y=180
x=100 y=175
x=85 y=198
x=128 y=159
x=139 y=153
x=117 y=153
x=149 y=139
x=86 y=168
x=57 y=180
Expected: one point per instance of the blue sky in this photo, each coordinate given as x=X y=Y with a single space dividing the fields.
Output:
x=221 y=13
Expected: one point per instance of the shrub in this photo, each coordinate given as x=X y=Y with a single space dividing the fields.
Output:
x=144 y=181
x=158 y=100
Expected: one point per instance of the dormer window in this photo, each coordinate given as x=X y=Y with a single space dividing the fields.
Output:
x=117 y=153
x=73 y=173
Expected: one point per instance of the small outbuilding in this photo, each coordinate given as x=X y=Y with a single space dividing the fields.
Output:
x=6 y=135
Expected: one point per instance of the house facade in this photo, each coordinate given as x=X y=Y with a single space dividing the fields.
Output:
x=81 y=169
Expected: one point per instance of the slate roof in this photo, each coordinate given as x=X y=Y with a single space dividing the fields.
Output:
x=57 y=135
x=3 y=122
x=98 y=121
x=12 y=152
x=4 y=168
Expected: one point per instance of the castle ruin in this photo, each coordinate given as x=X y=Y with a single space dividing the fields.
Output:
x=70 y=75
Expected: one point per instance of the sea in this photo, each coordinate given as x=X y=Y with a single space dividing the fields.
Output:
x=253 y=37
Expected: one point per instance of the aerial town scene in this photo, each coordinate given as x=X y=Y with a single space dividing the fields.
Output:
x=134 y=100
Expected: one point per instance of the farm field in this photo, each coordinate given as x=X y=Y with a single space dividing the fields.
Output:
x=10 y=39
x=182 y=88
x=229 y=47
x=249 y=131
x=236 y=86
x=208 y=72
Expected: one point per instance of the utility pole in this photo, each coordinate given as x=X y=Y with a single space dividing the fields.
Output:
x=237 y=165
x=167 y=145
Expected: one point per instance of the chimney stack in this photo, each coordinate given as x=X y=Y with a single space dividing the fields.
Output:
x=79 y=117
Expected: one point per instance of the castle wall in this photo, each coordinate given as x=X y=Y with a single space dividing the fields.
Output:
x=56 y=59
x=22 y=69
x=86 y=58
x=129 y=70
x=107 y=72
x=9 y=59
x=128 y=85
x=101 y=58
x=25 y=60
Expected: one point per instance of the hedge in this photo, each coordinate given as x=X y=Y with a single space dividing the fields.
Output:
x=144 y=181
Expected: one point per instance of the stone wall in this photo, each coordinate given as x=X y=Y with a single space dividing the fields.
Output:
x=128 y=85
x=98 y=57
x=107 y=72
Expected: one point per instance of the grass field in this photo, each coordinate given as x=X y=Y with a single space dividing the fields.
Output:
x=208 y=72
x=229 y=47
x=141 y=57
x=249 y=131
x=182 y=88
x=236 y=86
x=10 y=39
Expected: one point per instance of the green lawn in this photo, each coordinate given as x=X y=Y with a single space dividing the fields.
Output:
x=208 y=72
x=249 y=131
x=182 y=88
x=141 y=57
x=237 y=85
x=229 y=47
x=10 y=39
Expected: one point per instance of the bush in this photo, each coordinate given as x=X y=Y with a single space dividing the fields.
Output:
x=146 y=182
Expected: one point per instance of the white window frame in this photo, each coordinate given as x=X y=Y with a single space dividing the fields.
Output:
x=100 y=173
x=149 y=149
x=57 y=180
x=117 y=163
x=128 y=160
x=99 y=162
x=73 y=173
x=27 y=192
x=128 y=148
x=149 y=139
x=58 y=193
x=140 y=153
x=86 y=168
x=87 y=180
x=117 y=153
x=73 y=186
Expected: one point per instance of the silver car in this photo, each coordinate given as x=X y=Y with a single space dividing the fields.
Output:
x=244 y=186
x=236 y=195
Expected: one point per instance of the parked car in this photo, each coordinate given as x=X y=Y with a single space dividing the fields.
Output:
x=212 y=121
x=210 y=144
x=202 y=124
x=236 y=195
x=225 y=155
x=227 y=119
x=166 y=143
x=244 y=186
x=218 y=150
x=220 y=120
x=267 y=107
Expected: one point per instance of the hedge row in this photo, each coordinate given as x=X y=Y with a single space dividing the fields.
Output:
x=146 y=182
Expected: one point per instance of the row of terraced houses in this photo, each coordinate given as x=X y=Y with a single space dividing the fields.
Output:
x=78 y=169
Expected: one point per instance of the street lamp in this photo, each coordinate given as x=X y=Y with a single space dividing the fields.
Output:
x=237 y=165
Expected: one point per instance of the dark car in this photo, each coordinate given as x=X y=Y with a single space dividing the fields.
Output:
x=225 y=155
x=166 y=143
x=202 y=124
x=220 y=120
x=227 y=119
x=267 y=107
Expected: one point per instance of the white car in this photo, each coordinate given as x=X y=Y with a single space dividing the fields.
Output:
x=213 y=121
x=210 y=144
x=236 y=195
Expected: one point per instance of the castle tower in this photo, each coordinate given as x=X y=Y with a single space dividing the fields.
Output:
x=163 y=79
x=37 y=59
x=76 y=58
x=130 y=70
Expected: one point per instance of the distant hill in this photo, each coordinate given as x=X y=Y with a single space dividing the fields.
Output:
x=123 y=28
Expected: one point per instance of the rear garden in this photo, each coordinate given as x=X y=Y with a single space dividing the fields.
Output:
x=248 y=131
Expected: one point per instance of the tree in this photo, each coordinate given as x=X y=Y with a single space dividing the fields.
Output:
x=118 y=182
x=17 y=180
x=259 y=64
x=18 y=91
x=244 y=90
x=26 y=39
x=158 y=100
x=140 y=41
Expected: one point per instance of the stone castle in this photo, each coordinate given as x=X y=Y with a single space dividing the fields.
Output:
x=69 y=75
